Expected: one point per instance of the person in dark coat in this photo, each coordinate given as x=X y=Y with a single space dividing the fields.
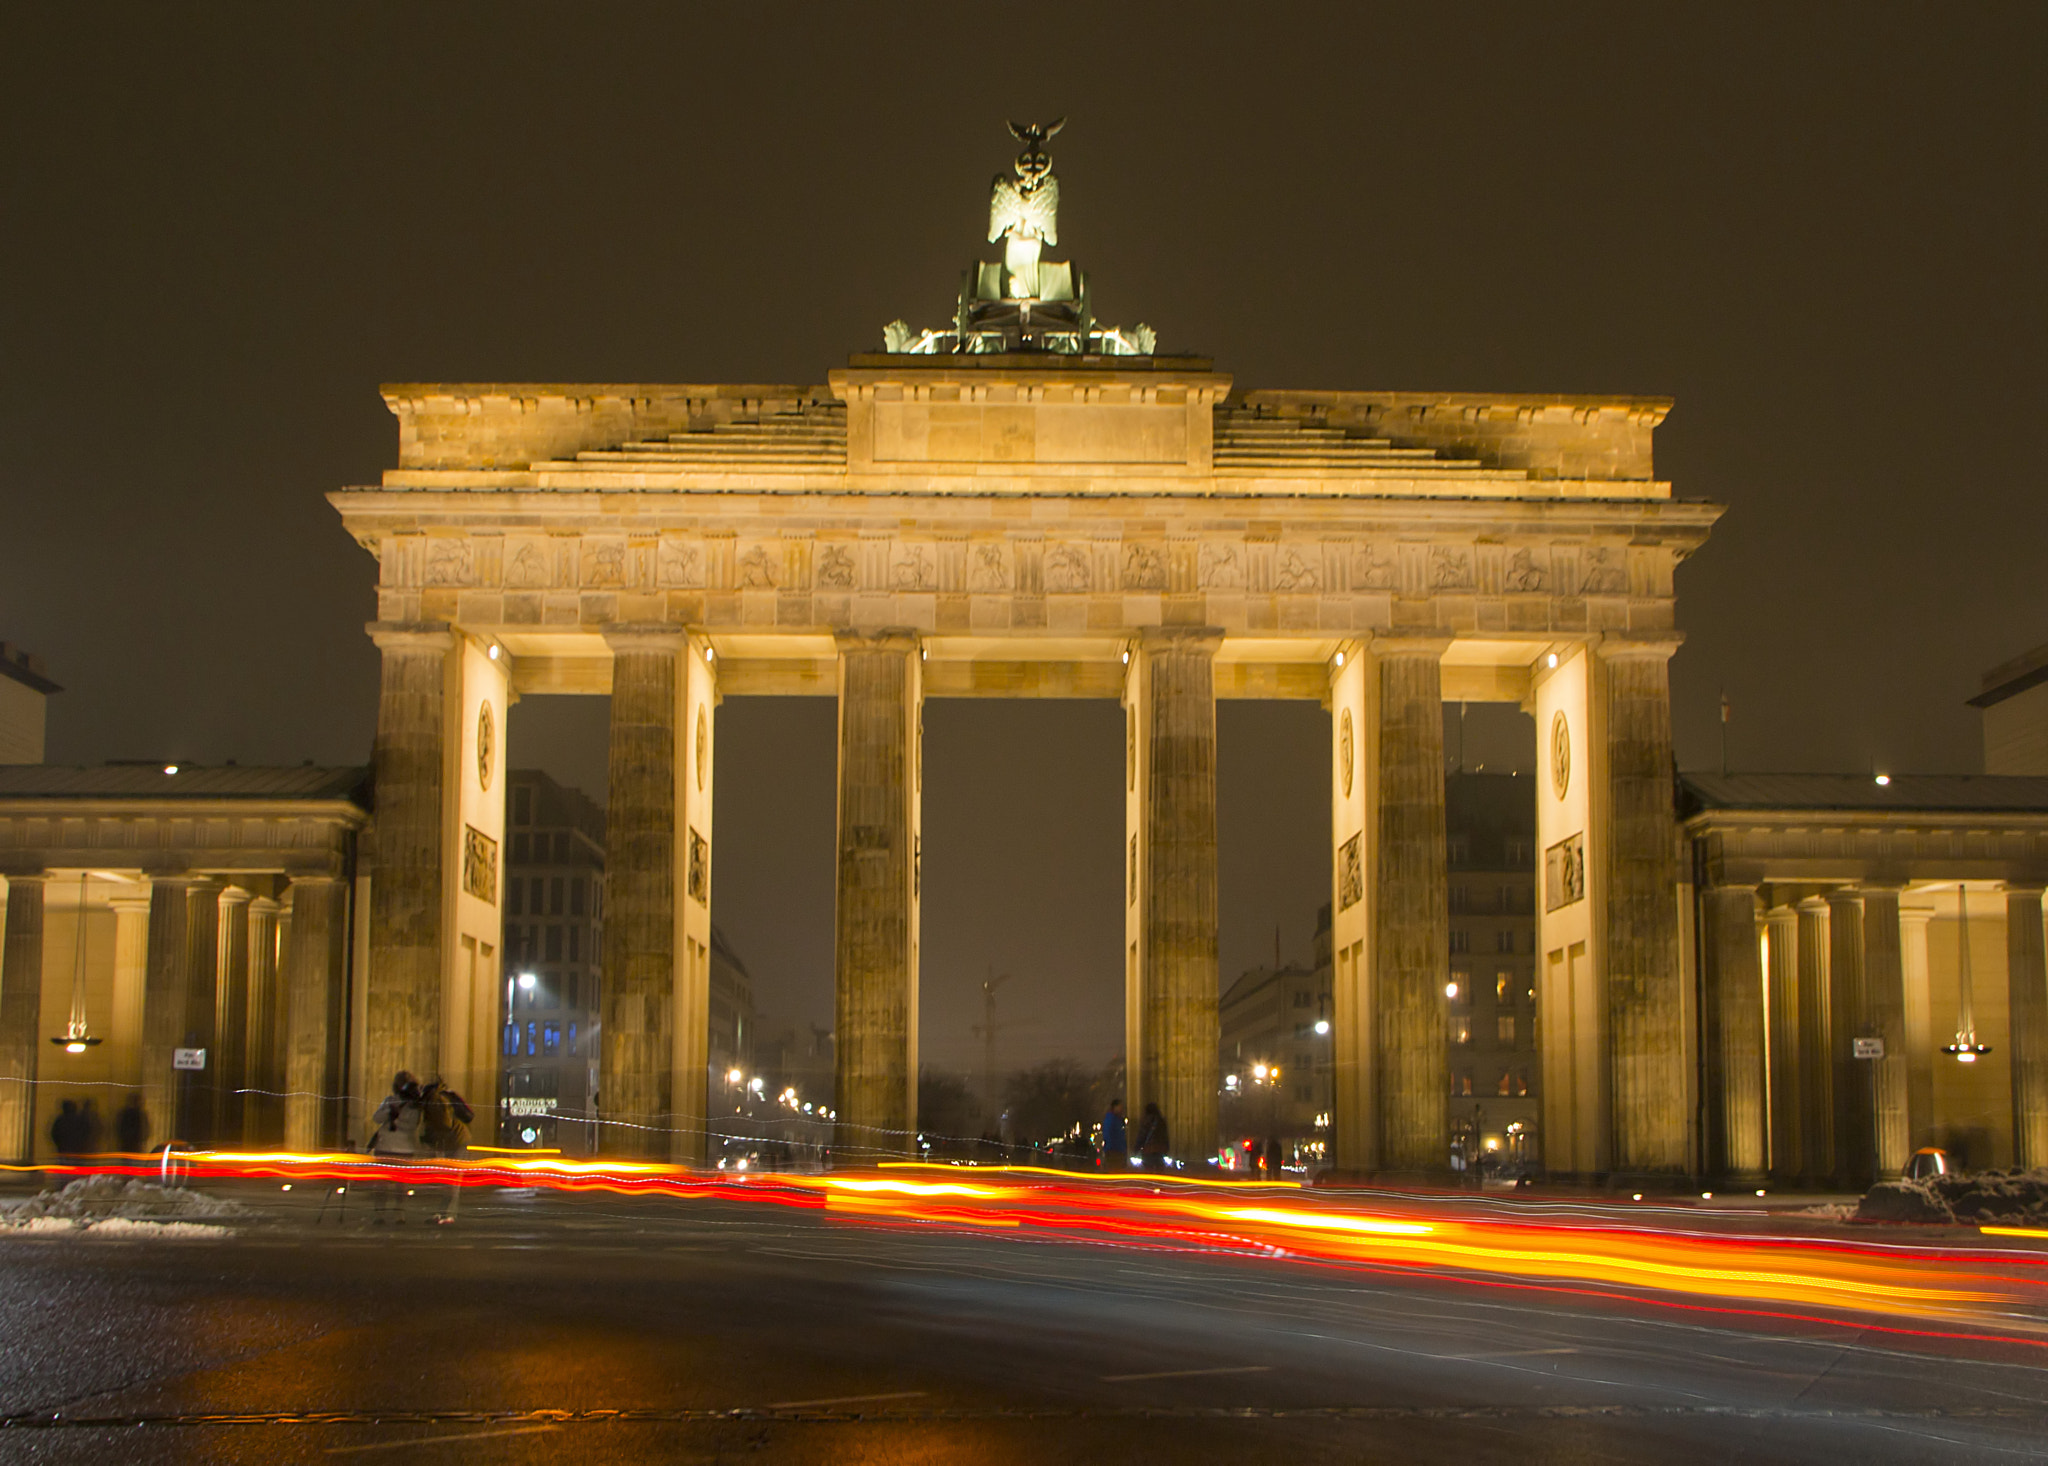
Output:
x=1152 y=1139
x=67 y=1133
x=131 y=1126
x=1116 y=1139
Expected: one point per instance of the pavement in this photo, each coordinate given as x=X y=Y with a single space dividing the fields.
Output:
x=606 y=1329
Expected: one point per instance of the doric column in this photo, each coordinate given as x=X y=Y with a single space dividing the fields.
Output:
x=131 y=976
x=263 y=1110
x=1884 y=983
x=1913 y=923
x=1354 y=749
x=1735 y=1003
x=1411 y=910
x=1645 y=992
x=193 y=1107
x=315 y=990
x=876 y=929
x=2027 y=995
x=1782 y=929
x=21 y=1009
x=1172 y=920
x=167 y=977
x=408 y=905
x=1816 y=1047
x=636 y=1084
x=1849 y=1014
x=227 y=1065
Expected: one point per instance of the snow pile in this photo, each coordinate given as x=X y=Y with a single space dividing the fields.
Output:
x=1997 y=1198
x=122 y=1206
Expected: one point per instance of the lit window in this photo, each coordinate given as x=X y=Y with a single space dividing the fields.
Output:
x=1506 y=1023
x=551 y=1040
x=574 y=1047
x=1505 y=1082
x=1502 y=987
x=511 y=1039
x=1461 y=1031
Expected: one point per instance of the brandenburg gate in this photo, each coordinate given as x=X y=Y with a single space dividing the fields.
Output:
x=1029 y=504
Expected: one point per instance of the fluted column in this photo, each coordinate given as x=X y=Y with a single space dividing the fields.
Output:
x=876 y=928
x=1849 y=1014
x=1913 y=923
x=1782 y=927
x=1884 y=982
x=131 y=977
x=2027 y=995
x=166 y=979
x=1411 y=910
x=636 y=1090
x=315 y=994
x=1176 y=897
x=21 y=1008
x=1735 y=1000
x=1646 y=997
x=193 y=1111
x=263 y=1108
x=408 y=905
x=227 y=1064
x=1816 y=1047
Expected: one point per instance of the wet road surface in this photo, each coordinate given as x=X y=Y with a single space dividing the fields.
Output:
x=601 y=1329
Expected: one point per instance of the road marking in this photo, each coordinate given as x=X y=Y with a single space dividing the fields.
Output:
x=1120 y=1379
x=428 y=1440
x=844 y=1400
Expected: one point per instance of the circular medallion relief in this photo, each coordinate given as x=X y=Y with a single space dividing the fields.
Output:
x=703 y=747
x=1560 y=755
x=486 y=745
x=1347 y=749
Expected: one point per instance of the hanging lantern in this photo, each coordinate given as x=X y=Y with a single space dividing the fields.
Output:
x=1966 y=1049
x=75 y=1039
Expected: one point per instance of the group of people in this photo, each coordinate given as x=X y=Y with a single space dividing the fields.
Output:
x=418 y=1122
x=78 y=1131
x=1152 y=1146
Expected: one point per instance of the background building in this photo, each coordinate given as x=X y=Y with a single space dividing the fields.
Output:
x=2015 y=707
x=24 y=690
x=1276 y=1070
x=1495 y=1104
x=554 y=923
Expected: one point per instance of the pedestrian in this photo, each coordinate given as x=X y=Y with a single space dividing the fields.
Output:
x=1116 y=1138
x=1254 y=1157
x=444 y=1127
x=91 y=1129
x=395 y=1138
x=1152 y=1141
x=67 y=1133
x=131 y=1125
x=1273 y=1157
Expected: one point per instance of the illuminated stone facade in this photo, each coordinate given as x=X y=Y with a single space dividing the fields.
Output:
x=1043 y=526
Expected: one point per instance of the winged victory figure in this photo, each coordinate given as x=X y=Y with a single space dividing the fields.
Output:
x=1025 y=211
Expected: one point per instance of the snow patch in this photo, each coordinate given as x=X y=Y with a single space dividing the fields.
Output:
x=122 y=1206
x=2010 y=1198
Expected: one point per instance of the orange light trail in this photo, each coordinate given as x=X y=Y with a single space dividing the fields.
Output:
x=2005 y=1288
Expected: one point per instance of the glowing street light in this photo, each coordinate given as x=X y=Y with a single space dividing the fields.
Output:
x=1323 y=1026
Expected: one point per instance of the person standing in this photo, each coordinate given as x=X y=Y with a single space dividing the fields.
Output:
x=131 y=1126
x=67 y=1133
x=395 y=1138
x=444 y=1128
x=1116 y=1139
x=1152 y=1138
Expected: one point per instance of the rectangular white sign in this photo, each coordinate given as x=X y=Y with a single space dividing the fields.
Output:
x=1867 y=1048
x=188 y=1058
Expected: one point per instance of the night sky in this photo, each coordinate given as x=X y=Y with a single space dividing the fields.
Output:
x=1820 y=228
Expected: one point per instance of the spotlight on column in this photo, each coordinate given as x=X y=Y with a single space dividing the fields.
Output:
x=1551 y=660
x=1883 y=780
x=1127 y=656
x=710 y=655
x=1340 y=659
x=170 y=768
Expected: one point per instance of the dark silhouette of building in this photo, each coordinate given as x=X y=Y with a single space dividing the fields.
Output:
x=1494 y=1066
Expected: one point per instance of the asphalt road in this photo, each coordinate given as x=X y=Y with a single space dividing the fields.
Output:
x=753 y=1333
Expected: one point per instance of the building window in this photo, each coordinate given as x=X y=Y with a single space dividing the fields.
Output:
x=1461 y=1031
x=555 y=896
x=1506 y=1082
x=551 y=1042
x=1461 y=899
x=562 y=849
x=1461 y=1084
x=515 y=898
x=1303 y=999
x=1502 y=987
x=511 y=1039
x=520 y=846
x=1520 y=852
x=575 y=1046
x=576 y=941
x=554 y=944
x=532 y=1038
x=1459 y=849
x=1504 y=940
x=1461 y=984
x=1506 y=1034
x=1522 y=1082
x=575 y=982
x=1461 y=941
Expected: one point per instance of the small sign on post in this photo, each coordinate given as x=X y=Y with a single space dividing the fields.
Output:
x=196 y=1058
x=1867 y=1048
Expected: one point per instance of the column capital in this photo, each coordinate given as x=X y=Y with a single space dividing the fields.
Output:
x=883 y=639
x=645 y=636
x=1616 y=647
x=138 y=905
x=2022 y=889
x=236 y=895
x=436 y=636
x=1180 y=638
x=28 y=870
x=1385 y=647
x=263 y=906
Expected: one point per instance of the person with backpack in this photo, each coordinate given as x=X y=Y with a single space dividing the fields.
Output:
x=1152 y=1141
x=395 y=1138
x=444 y=1127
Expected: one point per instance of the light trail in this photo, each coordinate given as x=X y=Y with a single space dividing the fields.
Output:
x=2004 y=1288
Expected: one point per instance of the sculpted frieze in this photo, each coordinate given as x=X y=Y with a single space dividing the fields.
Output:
x=1525 y=572
x=1450 y=568
x=1066 y=568
x=603 y=564
x=450 y=561
x=759 y=567
x=913 y=566
x=836 y=568
x=1294 y=571
x=989 y=568
x=1220 y=565
x=528 y=566
x=679 y=564
x=1144 y=567
x=1373 y=568
x=1604 y=573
